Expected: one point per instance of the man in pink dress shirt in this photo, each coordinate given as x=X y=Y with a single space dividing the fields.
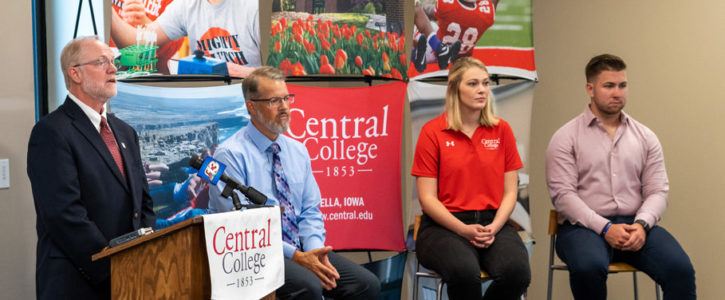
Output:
x=606 y=177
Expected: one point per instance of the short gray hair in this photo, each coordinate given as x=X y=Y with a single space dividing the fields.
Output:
x=250 y=85
x=71 y=55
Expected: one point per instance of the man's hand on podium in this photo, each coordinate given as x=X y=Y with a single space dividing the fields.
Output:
x=316 y=261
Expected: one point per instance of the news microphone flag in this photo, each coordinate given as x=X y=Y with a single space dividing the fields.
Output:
x=211 y=170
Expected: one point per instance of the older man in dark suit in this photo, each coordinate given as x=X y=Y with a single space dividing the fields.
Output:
x=87 y=179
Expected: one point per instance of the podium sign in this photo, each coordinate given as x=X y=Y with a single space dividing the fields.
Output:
x=244 y=249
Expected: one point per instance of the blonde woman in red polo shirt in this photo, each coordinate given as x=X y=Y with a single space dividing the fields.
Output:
x=466 y=166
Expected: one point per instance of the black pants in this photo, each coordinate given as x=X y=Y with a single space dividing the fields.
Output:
x=460 y=263
x=355 y=281
x=588 y=256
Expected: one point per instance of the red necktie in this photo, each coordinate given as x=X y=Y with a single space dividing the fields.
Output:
x=110 y=141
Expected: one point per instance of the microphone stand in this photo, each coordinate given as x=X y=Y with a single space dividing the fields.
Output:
x=229 y=192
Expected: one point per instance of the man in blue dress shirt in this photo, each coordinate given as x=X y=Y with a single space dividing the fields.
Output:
x=260 y=156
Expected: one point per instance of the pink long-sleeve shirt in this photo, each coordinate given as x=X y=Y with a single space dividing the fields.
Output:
x=590 y=175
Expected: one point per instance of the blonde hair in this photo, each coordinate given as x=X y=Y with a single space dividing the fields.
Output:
x=71 y=56
x=453 y=100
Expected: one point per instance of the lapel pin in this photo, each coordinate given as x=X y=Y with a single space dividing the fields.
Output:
x=123 y=145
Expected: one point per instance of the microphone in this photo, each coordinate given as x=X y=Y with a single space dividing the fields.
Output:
x=213 y=170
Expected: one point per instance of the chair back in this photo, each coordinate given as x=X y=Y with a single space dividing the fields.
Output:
x=553 y=225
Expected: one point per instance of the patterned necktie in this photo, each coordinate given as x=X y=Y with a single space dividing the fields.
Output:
x=110 y=141
x=290 y=232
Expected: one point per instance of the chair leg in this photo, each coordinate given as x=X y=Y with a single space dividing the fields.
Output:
x=551 y=280
x=415 y=287
x=658 y=291
x=439 y=292
x=415 y=281
x=634 y=279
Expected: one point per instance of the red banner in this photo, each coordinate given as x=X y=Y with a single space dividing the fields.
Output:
x=353 y=136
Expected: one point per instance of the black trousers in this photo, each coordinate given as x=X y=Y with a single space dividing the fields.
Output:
x=460 y=263
x=355 y=281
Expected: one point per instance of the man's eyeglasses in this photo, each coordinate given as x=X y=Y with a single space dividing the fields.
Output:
x=276 y=101
x=101 y=62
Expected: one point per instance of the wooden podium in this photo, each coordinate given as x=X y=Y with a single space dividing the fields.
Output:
x=167 y=264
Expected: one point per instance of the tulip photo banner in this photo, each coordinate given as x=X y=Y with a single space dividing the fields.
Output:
x=355 y=37
x=497 y=32
x=354 y=141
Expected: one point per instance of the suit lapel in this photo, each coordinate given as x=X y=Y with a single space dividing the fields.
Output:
x=84 y=126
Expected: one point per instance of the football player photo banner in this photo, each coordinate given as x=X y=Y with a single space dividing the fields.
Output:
x=353 y=136
x=497 y=32
x=332 y=37
x=172 y=125
x=155 y=37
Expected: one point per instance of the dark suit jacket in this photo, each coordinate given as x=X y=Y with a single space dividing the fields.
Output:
x=82 y=200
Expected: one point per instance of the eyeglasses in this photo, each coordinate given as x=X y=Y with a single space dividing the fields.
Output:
x=276 y=101
x=101 y=62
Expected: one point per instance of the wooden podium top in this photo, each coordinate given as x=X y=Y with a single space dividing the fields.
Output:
x=108 y=251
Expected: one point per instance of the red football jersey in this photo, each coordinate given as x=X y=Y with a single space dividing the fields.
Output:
x=457 y=21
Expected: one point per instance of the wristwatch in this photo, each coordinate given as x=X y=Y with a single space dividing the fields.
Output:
x=644 y=225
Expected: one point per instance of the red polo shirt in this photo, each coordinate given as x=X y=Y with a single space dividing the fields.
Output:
x=470 y=171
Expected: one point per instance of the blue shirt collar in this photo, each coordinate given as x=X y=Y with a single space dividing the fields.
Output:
x=261 y=141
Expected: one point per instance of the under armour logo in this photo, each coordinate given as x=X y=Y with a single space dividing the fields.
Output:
x=450 y=144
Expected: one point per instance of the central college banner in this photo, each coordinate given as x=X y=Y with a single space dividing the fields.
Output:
x=353 y=136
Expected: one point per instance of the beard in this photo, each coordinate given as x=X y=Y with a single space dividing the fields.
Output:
x=278 y=127
x=98 y=89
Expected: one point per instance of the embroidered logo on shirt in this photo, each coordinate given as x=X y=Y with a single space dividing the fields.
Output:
x=450 y=144
x=491 y=144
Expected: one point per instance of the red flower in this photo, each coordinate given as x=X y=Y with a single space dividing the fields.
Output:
x=403 y=59
x=342 y=53
x=334 y=41
x=327 y=69
x=325 y=29
x=358 y=61
x=369 y=71
x=340 y=58
x=396 y=74
x=386 y=62
x=375 y=45
x=353 y=28
x=283 y=21
x=309 y=47
x=277 y=46
x=296 y=28
x=311 y=31
x=359 y=39
x=298 y=70
x=325 y=44
x=298 y=38
x=286 y=67
x=347 y=33
x=310 y=18
x=401 y=43
x=323 y=59
x=367 y=32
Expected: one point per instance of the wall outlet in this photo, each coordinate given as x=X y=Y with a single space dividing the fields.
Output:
x=4 y=173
